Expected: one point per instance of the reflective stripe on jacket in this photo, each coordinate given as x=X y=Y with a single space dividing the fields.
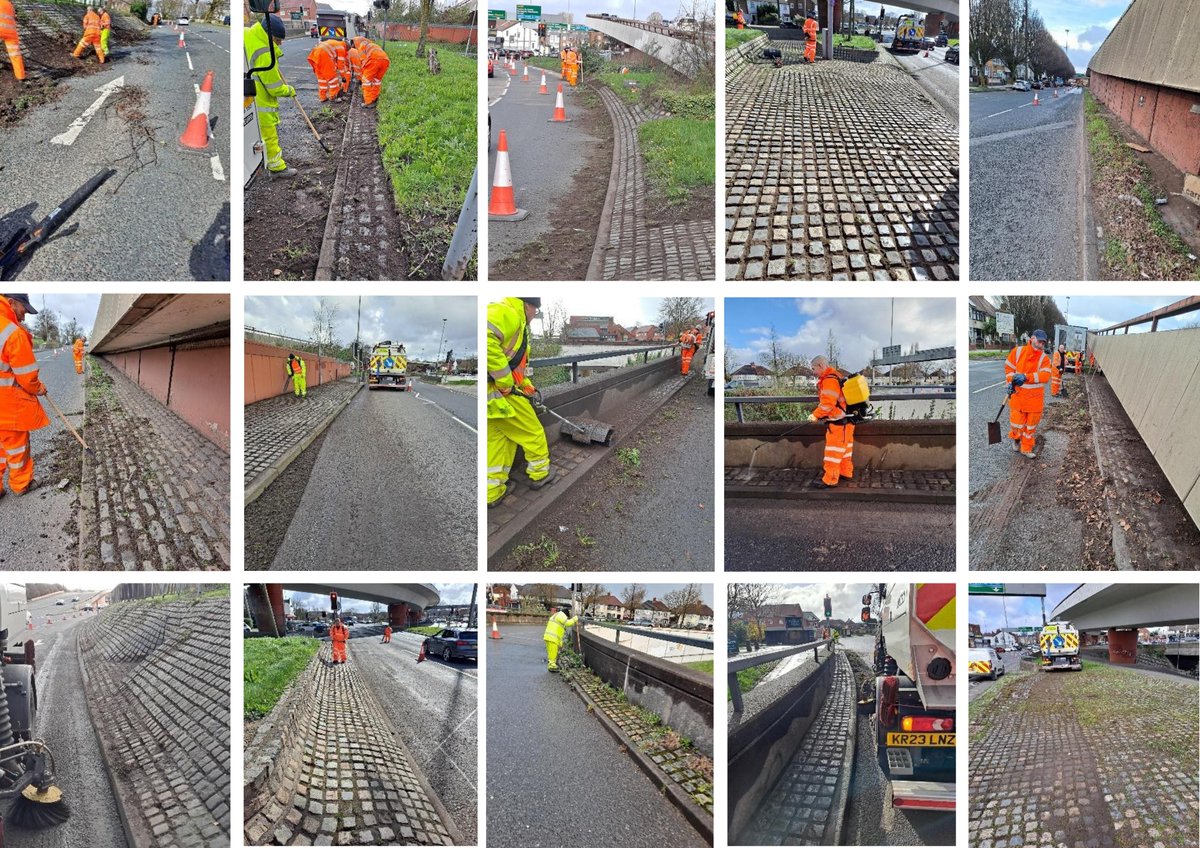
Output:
x=8 y=21
x=556 y=626
x=268 y=85
x=1034 y=364
x=831 y=403
x=507 y=354
x=19 y=383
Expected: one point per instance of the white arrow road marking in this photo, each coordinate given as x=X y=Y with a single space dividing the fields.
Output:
x=73 y=131
x=217 y=171
x=188 y=53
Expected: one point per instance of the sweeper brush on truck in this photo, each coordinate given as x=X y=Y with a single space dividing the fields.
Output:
x=912 y=693
x=26 y=764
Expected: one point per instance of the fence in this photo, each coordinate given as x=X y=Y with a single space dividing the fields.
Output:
x=946 y=393
x=574 y=359
x=743 y=663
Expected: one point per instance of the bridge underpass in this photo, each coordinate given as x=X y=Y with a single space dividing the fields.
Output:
x=1120 y=609
x=686 y=52
x=406 y=602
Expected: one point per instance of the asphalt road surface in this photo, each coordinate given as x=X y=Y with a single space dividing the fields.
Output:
x=1011 y=660
x=434 y=708
x=987 y=463
x=40 y=532
x=63 y=723
x=933 y=73
x=870 y=818
x=393 y=486
x=165 y=215
x=555 y=776
x=545 y=157
x=793 y=535
x=1029 y=209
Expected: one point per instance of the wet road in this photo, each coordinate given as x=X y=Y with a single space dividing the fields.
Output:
x=434 y=708
x=393 y=486
x=39 y=532
x=64 y=724
x=555 y=776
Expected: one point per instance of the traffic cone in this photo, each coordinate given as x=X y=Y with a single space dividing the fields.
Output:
x=543 y=89
x=560 y=112
x=926 y=56
x=1036 y=102
x=525 y=73
x=421 y=655
x=495 y=629
x=502 y=205
x=195 y=136
x=182 y=43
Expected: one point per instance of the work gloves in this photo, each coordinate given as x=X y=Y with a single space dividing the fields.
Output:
x=1018 y=379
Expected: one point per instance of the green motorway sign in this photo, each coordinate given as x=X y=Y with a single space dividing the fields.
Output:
x=557 y=27
x=528 y=13
x=497 y=15
x=985 y=588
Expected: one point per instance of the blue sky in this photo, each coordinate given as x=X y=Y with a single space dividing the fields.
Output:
x=1096 y=313
x=988 y=612
x=452 y=593
x=1089 y=22
x=860 y=325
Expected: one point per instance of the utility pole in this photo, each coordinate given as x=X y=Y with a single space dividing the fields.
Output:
x=357 y=343
x=1068 y=309
x=437 y=362
x=472 y=617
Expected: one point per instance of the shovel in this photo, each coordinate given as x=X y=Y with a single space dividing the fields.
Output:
x=91 y=454
x=994 y=426
x=584 y=433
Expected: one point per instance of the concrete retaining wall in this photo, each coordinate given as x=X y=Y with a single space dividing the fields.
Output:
x=191 y=379
x=763 y=738
x=1162 y=116
x=646 y=643
x=600 y=396
x=265 y=374
x=681 y=696
x=887 y=445
x=1156 y=376
x=737 y=58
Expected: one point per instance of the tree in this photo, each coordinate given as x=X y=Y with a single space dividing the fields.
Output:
x=989 y=329
x=1032 y=312
x=632 y=597
x=682 y=602
x=544 y=593
x=71 y=331
x=426 y=14
x=832 y=351
x=655 y=18
x=778 y=357
x=45 y=325
x=590 y=595
x=746 y=602
x=324 y=324
x=675 y=313
x=376 y=610
x=554 y=320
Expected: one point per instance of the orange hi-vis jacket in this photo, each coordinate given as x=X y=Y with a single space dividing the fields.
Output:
x=831 y=404
x=1059 y=360
x=339 y=633
x=91 y=25
x=19 y=383
x=811 y=28
x=77 y=349
x=105 y=21
x=8 y=21
x=1035 y=365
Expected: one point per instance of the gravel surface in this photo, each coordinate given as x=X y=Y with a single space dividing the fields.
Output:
x=555 y=776
x=1028 y=205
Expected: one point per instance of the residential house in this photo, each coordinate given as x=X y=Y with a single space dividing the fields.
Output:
x=752 y=376
x=700 y=617
x=610 y=608
x=980 y=310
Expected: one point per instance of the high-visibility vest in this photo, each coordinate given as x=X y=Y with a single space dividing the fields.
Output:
x=91 y=23
x=508 y=354
x=268 y=85
x=1031 y=395
x=8 y=21
x=19 y=383
x=557 y=626
x=831 y=404
x=105 y=21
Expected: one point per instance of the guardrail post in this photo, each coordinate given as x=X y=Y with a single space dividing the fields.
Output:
x=738 y=408
x=736 y=691
x=645 y=356
x=574 y=372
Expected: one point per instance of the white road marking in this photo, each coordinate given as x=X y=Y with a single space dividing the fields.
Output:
x=188 y=53
x=210 y=41
x=77 y=126
x=217 y=171
x=1005 y=112
x=992 y=386
x=452 y=762
x=451 y=414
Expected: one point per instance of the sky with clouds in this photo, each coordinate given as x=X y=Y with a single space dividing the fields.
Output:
x=860 y=325
x=626 y=310
x=1096 y=313
x=846 y=598
x=989 y=611
x=81 y=307
x=452 y=593
x=637 y=9
x=1089 y=22
x=416 y=321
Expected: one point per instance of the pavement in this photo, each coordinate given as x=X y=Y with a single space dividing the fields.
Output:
x=658 y=516
x=400 y=467
x=63 y=723
x=434 y=708
x=790 y=535
x=1104 y=757
x=165 y=215
x=870 y=484
x=554 y=774
x=868 y=191
x=548 y=160
x=1029 y=202
x=40 y=531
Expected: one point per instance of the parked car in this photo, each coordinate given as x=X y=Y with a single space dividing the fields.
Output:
x=942 y=39
x=314 y=32
x=60 y=603
x=1038 y=85
x=952 y=55
x=989 y=656
x=454 y=643
x=87 y=609
x=183 y=20
x=1021 y=85
x=320 y=629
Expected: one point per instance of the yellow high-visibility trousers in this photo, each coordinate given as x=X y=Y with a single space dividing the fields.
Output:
x=552 y=654
x=504 y=435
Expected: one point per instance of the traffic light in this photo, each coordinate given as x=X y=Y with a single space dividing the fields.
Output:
x=333 y=601
x=541 y=30
x=828 y=608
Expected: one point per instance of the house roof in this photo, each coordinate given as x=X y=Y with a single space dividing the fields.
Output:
x=610 y=601
x=1154 y=42
x=752 y=368
x=798 y=371
x=705 y=610
x=982 y=304
x=583 y=333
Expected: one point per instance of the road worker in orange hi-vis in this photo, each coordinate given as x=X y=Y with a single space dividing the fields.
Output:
x=11 y=38
x=839 y=432
x=1058 y=364
x=375 y=66
x=338 y=634
x=91 y=35
x=323 y=60
x=810 y=46
x=387 y=634
x=740 y=19
x=77 y=351
x=355 y=57
x=20 y=411
x=1027 y=372
x=687 y=349
x=105 y=29
x=1079 y=362
x=343 y=64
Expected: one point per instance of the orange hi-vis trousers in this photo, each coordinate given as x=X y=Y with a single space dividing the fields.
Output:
x=1055 y=382
x=686 y=354
x=839 y=453
x=1023 y=426
x=339 y=651
x=19 y=458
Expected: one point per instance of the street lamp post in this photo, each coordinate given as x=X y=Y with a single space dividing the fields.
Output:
x=437 y=362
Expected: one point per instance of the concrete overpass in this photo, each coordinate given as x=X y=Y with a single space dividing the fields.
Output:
x=1121 y=608
x=949 y=8
x=686 y=52
x=406 y=602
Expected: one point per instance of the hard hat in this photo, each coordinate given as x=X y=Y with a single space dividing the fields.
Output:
x=23 y=299
x=1040 y=335
x=535 y=302
x=275 y=27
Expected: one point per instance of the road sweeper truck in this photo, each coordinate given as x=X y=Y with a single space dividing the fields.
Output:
x=388 y=367
x=912 y=694
x=1059 y=644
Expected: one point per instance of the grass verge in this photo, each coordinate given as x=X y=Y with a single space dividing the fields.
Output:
x=987 y=354
x=858 y=42
x=736 y=37
x=428 y=630
x=705 y=666
x=680 y=155
x=748 y=678
x=271 y=665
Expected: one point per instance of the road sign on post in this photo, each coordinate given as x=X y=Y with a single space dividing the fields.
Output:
x=891 y=351
x=497 y=15
x=528 y=13
x=985 y=588
x=1005 y=324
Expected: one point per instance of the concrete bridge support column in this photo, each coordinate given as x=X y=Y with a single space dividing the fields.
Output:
x=266 y=607
x=1122 y=646
x=398 y=615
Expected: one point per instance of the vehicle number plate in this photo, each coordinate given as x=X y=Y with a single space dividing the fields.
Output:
x=920 y=740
